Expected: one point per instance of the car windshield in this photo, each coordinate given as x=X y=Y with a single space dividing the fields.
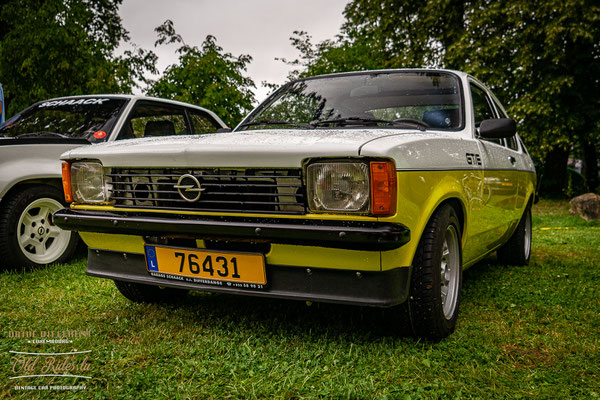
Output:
x=77 y=118
x=403 y=99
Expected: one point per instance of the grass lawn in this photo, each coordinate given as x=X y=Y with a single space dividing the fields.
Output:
x=524 y=332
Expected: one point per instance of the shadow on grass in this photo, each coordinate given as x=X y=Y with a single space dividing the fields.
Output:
x=296 y=317
x=286 y=318
x=482 y=271
x=266 y=316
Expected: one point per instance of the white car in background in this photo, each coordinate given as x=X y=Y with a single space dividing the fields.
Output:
x=32 y=141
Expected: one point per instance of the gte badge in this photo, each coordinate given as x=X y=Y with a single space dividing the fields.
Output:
x=473 y=159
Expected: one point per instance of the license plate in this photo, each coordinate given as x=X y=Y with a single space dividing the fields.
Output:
x=245 y=270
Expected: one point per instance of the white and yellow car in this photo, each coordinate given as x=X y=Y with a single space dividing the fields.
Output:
x=372 y=188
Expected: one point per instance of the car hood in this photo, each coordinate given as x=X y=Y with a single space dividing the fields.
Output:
x=254 y=148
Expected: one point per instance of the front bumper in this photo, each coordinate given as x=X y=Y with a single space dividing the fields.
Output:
x=379 y=289
x=353 y=235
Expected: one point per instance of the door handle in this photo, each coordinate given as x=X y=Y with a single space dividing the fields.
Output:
x=512 y=160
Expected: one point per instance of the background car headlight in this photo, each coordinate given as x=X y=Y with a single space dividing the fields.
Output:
x=338 y=186
x=87 y=182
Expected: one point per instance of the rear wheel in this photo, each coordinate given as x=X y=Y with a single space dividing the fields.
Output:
x=437 y=277
x=140 y=293
x=517 y=251
x=27 y=235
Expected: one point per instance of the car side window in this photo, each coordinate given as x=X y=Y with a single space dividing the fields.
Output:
x=149 y=118
x=510 y=142
x=202 y=122
x=482 y=109
x=523 y=146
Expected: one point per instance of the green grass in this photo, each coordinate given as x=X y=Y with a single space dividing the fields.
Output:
x=524 y=332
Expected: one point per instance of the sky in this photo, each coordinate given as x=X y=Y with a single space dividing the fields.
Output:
x=260 y=28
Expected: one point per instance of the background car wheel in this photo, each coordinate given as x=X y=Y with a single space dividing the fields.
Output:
x=141 y=293
x=437 y=277
x=517 y=251
x=27 y=235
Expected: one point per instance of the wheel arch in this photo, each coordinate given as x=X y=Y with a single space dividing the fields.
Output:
x=18 y=186
x=457 y=203
x=459 y=209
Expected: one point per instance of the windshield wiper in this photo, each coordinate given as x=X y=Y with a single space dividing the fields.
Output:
x=275 y=122
x=366 y=121
x=43 y=134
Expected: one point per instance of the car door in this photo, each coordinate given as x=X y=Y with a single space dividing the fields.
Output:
x=501 y=180
x=516 y=150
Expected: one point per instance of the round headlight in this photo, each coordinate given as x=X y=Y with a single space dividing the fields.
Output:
x=87 y=182
x=338 y=186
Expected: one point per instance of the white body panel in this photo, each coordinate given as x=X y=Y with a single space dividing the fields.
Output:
x=278 y=148
x=24 y=162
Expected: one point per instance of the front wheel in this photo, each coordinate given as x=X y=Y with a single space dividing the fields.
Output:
x=437 y=277
x=27 y=235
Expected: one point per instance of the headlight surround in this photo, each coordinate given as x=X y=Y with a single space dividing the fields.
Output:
x=338 y=187
x=88 y=184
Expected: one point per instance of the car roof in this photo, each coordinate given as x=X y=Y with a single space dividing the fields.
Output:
x=126 y=97
x=137 y=97
x=386 y=71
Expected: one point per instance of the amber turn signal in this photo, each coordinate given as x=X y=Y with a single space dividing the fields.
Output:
x=383 y=188
x=66 y=181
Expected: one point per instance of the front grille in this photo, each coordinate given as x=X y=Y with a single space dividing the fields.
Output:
x=228 y=190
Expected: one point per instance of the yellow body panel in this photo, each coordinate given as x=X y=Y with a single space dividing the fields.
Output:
x=114 y=242
x=492 y=203
x=280 y=254
x=488 y=218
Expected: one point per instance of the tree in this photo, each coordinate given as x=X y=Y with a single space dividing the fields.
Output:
x=206 y=76
x=51 y=48
x=542 y=59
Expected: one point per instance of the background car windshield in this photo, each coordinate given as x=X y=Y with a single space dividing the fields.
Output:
x=75 y=118
x=433 y=98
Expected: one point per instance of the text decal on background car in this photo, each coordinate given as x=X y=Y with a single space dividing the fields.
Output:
x=72 y=102
x=245 y=270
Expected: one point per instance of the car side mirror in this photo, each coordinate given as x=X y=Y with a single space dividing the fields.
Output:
x=222 y=130
x=497 y=128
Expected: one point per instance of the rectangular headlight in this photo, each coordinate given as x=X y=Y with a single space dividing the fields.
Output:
x=87 y=183
x=338 y=187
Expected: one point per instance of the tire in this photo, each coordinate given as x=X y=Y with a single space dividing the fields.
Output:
x=436 y=277
x=27 y=235
x=140 y=293
x=517 y=251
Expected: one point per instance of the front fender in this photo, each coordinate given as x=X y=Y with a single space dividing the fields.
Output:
x=420 y=193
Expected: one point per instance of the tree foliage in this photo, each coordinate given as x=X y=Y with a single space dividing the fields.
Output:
x=51 y=48
x=541 y=57
x=205 y=76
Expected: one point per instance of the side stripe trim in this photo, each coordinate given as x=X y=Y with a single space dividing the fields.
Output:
x=462 y=169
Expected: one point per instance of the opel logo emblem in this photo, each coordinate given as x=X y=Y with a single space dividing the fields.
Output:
x=189 y=188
